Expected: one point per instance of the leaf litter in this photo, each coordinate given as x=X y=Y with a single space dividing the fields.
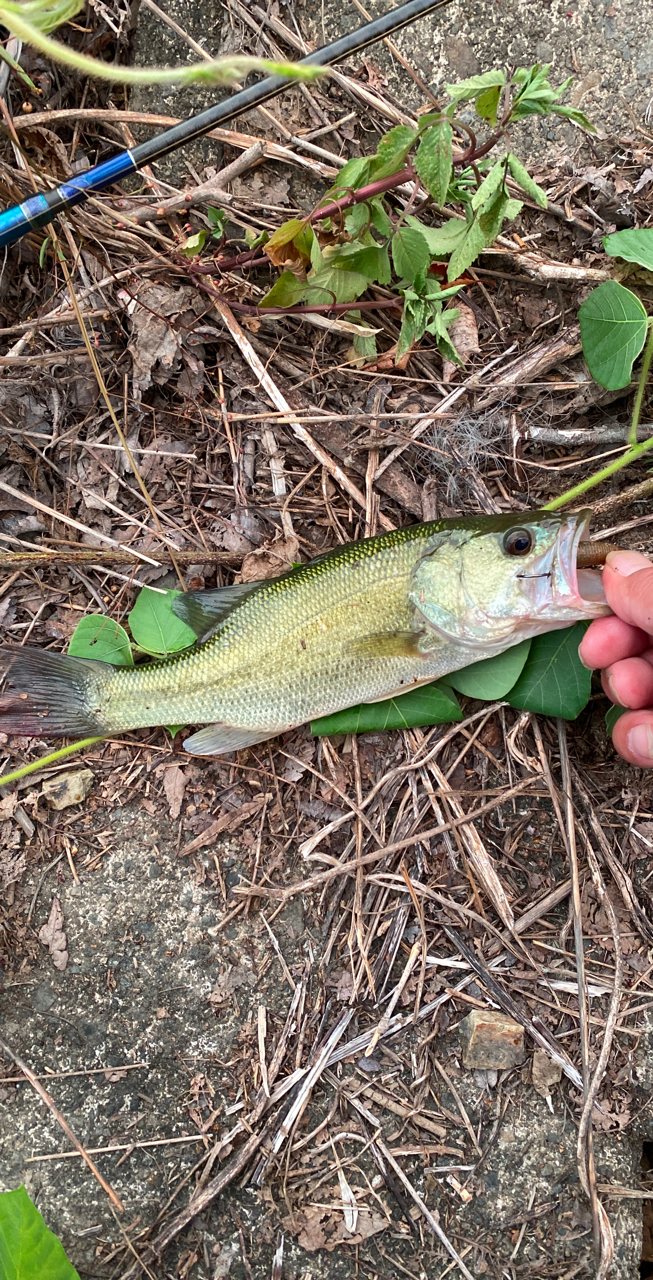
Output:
x=369 y=830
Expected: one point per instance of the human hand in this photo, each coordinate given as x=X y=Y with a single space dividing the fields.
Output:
x=622 y=646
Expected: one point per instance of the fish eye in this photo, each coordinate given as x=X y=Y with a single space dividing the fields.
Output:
x=517 y=542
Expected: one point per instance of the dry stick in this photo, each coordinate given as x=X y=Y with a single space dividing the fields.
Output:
x=280 y=402
x=480 y=859
x=387 y=1155
x=51 y=1104
x=618 y=873
x=204 y=193
x=349 y=868
x=53 y=559
x=586 y=1169
x=73 y=524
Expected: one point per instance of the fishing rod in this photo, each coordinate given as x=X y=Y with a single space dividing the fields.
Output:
x=43 y=208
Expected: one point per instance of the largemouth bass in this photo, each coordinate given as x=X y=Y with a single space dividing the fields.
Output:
x=360 y=623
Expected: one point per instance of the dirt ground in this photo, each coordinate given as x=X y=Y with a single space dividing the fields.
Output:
x=153 y=1031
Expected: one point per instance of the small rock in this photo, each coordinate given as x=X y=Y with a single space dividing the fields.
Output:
x=67 y=788
x=546 y=1073
x=491 y=1041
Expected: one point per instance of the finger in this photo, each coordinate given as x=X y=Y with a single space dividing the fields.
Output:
x=628 y=586
x=608 y=640
x=629 y=683
x=633 y=738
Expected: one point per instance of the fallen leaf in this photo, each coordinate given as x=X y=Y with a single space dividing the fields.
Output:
x=174 y=785
x=546 y=1073
x=325 y=1229
x=269 y=562
x=226 y=822
x=67 y=788
x=8 y=806
x=464 y=335
x=112 y=1074
x=53 y=937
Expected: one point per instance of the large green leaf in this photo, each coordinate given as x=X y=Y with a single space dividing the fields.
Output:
x=634 y=246
x=613 y=332
x=433 y=160
x=432 y=704
x=466 y=89
x=393 y=149
x=28 y=1250
x=441 y=240
x=285 y=292
x=155 y=627
x=554 y=681
x=494 y=677
x=466 y=250
x=101 y=638
x=527 y=184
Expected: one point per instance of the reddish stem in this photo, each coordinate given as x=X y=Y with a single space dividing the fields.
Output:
x=334 y=308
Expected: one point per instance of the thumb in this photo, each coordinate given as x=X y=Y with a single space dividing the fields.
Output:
x=628 y=586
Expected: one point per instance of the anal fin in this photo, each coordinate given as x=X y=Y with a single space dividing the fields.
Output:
x=218 y=738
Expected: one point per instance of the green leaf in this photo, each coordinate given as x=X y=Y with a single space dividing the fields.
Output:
x=466 y=251
x=101 y=638
x=285 y=234
x=613 y=331
x=285 y=292
x=434 y=158
x=554 y=681
x=44 y=249
x=155 y=627
x=633 y=246
x=331 y=284
x=611 y=717
x=441 y=240
x=413 y=324
x=173 y=729
x=432 y=704
x=370 y=260
x=490 y=184
x=194 y=244
x=438 y=326
x=410 y=253
x=527 y=184
x=487 y=104
x=365 y=344
x=576 y=117
x=393 y=149
x=28 y=1250
x=355 y=173
x=471 y=88
x=494 y=677
x=492 y=217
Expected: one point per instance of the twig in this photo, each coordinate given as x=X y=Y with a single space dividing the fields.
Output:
x=61 y=1120
x=73 y=524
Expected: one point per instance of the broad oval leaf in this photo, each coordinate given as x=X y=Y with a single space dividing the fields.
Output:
x=633 y=246
x=103 y=638
x=285 y=292
x=28 y=1249
x=432 y=704
x=471 y=88
x=494 y=677
x=611 y=717
x=613 y=332
x=554 y=681
x=441 y=240
x=155 y=627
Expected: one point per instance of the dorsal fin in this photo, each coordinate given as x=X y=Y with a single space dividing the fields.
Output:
x=205 y=611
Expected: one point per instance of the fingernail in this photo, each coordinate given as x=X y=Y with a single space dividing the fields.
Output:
x=611 y=690
x=640 y=741
x=586 y=665
x=627 y=562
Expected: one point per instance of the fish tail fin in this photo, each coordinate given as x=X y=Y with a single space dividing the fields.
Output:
x=44 y=694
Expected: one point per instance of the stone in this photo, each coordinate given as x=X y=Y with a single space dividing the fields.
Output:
x=67 y=788
x=491 y=1041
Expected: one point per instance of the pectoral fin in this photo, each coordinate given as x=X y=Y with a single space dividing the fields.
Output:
x=395 y=644
x=218 y=738
x=205 y=611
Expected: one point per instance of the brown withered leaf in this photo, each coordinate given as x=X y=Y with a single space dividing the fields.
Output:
x=174 y=785
x=269 y=562
x=464 y=335
x=325 y=1228
x=53 y=937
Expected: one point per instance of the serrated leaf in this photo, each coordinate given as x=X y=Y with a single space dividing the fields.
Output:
x=410 y=252
x=441 y=240
x=287 y=291
x=576 y=117
x=466 y=89
x=466 y=251
x=194 y=244
x=331 y=284
x=613 y=331
x=611 y=717
x=487 y=104
x=554 y=681
x=102 y=638
x=355 y=173
x=432 y=704
x=413 y=324
x=434 y=159
x=285 y=234
x=489 y=185
x=393 y=149
x=632 y=246
x=492 y=217
x=527 y=184
x=370 y=260
x=494 y=677
x=155 y=627
x=438 y=326
x=28 y=1249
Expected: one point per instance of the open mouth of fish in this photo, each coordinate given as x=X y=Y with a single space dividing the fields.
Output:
x=571 y=569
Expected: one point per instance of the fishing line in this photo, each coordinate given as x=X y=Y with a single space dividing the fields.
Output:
x=43 y=208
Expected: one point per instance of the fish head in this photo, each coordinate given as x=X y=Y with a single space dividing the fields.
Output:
x=495 y=580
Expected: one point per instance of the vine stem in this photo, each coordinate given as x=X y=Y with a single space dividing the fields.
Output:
x=634 y=451
x=43 y=763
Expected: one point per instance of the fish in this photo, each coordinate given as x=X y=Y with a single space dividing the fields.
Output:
x=363 y=622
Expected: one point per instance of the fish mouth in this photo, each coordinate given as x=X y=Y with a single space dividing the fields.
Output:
x=576 y=569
